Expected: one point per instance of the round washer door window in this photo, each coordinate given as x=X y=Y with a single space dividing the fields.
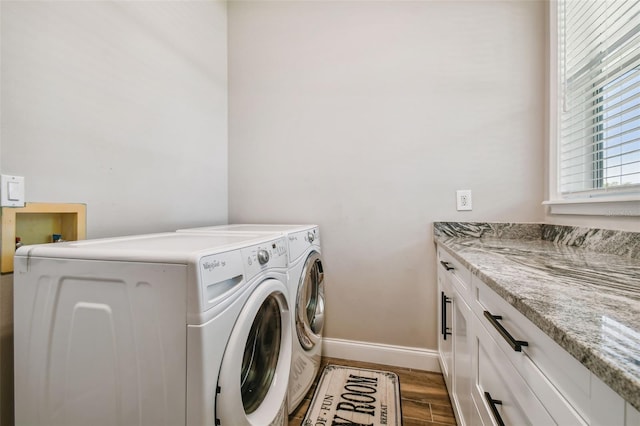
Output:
x=254 y=373
x=310 y=302
x=261 y=353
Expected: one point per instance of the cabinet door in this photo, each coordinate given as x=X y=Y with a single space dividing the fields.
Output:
x=557 y=379
x=500 y=393
x=462 y=342
x=445 y=326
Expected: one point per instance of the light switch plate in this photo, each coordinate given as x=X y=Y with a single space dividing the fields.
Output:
x=11 y=191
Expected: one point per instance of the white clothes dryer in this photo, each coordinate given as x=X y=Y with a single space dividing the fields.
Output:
x=159 y=329
x=306 y=292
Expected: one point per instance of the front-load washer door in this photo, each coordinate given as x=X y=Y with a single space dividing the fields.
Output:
x=309 y=314
x=252 y=386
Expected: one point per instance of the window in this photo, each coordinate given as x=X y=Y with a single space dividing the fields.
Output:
x=598 y=91
x=618 y=147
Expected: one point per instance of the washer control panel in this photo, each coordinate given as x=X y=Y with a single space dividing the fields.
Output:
x=271 y=254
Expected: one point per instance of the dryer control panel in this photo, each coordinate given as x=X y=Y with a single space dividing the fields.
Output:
x=300 y=241
x=271 y=254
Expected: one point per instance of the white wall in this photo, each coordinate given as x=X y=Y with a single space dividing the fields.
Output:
x=365 y=117
x=120 y=105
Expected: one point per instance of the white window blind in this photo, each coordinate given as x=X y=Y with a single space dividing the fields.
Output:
x=599 y=123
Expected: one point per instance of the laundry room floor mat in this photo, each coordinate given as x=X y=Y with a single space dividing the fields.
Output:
x=349 y=395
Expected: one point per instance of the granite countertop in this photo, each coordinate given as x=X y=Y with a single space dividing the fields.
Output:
x=580 y=286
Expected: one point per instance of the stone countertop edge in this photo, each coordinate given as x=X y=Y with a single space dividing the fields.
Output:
x=609 y=373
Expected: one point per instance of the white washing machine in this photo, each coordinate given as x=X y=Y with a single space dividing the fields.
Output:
x=306 y=291
x=160 y=329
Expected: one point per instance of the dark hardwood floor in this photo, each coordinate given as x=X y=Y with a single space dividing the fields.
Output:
x=425 y=401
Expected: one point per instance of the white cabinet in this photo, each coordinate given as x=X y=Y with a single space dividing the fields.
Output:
x=455 y=335
x=502 y=369
x=462 y=342
x=445 y=323
x=501 y=395
x=632 y=416
x=549 y=372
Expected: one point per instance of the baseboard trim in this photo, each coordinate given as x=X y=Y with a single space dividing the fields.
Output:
x=398 y=356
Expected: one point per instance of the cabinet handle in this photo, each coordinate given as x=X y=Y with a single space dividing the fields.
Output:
x=447 y=266
x=516 y=345
x=492 y=404
x=443 y=311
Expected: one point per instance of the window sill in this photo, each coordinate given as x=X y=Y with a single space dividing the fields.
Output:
x=610 y=206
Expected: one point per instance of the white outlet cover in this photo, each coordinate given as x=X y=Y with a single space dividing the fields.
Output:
x=463 y=200
x=11 y=191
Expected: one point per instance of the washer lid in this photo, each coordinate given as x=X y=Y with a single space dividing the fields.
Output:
x=168 y=247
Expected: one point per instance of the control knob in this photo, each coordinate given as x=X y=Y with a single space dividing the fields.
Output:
x=263 y=256
x=310 y=237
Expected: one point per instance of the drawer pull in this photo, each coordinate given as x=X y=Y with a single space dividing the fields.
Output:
x=492 y=404
x=447 y=266
x=516 y=345
x=445 y=331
